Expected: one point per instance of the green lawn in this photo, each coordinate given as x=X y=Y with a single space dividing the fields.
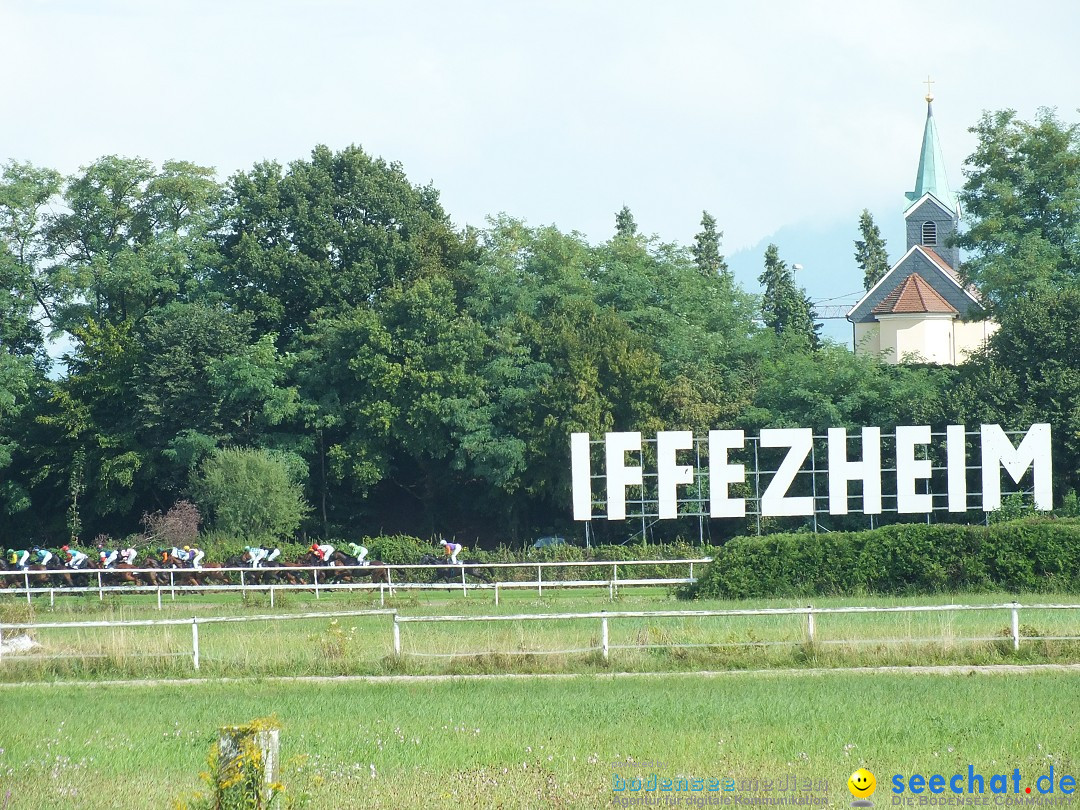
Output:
x=530 y=743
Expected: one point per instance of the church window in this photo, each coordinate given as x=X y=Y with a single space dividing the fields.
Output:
x=929 y=234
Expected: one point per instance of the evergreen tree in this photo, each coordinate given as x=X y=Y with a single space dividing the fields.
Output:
x=785 y=307
x=624 y=223
x=706 y=249
x=870 y=251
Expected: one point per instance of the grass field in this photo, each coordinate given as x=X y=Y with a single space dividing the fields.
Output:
x=531 y=743
x=363 y=645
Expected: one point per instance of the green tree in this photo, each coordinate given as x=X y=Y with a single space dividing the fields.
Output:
x=250 y=493
x=624 y=223
x=25 y=296
x=1022 y=208
x=706 y=249
x=785 y=307
x=326 y=235
x=870 y=252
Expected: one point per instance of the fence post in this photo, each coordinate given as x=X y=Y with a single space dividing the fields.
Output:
x=604 y=636
x=247 y=764
x=611 y=591
x=243 y=587
x=315 y=576
x=26 y=578
x=397 y=636
x=539 y=580
x=464 y=589
x=1 y=643
x=390 y=582
x=1016 y=625
x=100 y=593
x=496 y=594
x=195 y=641
x=172 y=583
x=271 y=596
x=382 y=595
x=810 y=623
x=159 y=598
x=614 y=581
x=691 y=569
x=52 y=597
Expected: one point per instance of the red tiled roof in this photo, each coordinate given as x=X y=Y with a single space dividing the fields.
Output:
x=913 y=296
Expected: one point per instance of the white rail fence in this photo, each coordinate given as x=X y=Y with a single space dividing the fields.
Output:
x=194 y=622
x=810 y=614
x=612 y=583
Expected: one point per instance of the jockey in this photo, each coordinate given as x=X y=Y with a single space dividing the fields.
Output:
x=271 y=553
x=108 y=556
x=452 y=550
x=256 y=554
x=177 y=555
x=323 y=552
x=76 y=558
x=359 y=552
x=42 y=555
x=195 y=555
x=20 y=558
x=128 y=556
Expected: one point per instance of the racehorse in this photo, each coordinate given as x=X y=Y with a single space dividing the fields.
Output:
x=450 y=572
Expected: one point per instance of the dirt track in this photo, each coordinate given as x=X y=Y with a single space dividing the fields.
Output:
x=996 y=669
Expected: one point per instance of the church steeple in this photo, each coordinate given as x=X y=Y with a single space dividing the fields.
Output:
x=931 y=177
x=933 y=214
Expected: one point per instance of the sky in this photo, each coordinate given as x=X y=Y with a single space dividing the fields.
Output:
x=783 y=119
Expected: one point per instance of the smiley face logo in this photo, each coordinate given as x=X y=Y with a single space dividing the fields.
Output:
x=862 y=784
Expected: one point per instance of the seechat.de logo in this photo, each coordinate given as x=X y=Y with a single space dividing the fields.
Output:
x=862 y=785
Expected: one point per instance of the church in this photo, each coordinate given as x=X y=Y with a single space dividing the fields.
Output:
x=921 y=310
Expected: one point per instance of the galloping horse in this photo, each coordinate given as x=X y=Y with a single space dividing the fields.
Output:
x=449 y=572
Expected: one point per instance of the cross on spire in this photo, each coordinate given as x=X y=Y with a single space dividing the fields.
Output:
x=929 y=95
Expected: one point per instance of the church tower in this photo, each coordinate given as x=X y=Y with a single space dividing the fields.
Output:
x=933 y=214
x=921 y=310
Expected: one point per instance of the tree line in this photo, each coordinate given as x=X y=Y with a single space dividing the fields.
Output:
x=318 y=340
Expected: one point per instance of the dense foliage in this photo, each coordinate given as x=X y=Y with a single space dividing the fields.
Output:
x=400 y=376
x=914 y=558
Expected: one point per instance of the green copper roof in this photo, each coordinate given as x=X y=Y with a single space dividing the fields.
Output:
x=931 y=177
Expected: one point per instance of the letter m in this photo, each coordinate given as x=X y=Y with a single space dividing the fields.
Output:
x=1034 y=452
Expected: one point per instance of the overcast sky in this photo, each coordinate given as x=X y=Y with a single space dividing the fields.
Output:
x=780 y=118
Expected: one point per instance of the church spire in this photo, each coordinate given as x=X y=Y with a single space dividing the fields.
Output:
x=931 y=178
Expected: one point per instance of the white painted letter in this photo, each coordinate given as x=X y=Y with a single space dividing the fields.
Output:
x=722 y=474
x=773 y=501
x=909 y=469
x=1034 y=451
x=956 y=455
x=619 y=476
x=669 y=474
x=841 y=471
x=581 y=476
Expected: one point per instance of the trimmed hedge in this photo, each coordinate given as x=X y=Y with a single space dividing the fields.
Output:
x=1034 y=554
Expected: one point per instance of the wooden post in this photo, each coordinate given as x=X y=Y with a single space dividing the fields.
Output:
x=810 y=623
x=100 y=593
x=464 y=589
x=1016 y=626
x=496 y=594
x=271 y=596
x=315 y=576
x=604 y=636
x=382 y=595
x=52 y=597
x=26 y=578
x=172 y=583
x=397 y=636
x=159 y=598
x=245 y=752
x=539 y=581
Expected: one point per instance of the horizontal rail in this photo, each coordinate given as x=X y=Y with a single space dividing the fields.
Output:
x=197 y=620
x=387 y=566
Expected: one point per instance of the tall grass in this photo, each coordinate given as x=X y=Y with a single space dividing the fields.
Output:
x=530 y=743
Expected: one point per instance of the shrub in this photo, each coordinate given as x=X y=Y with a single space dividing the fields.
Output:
x=1033 y=554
